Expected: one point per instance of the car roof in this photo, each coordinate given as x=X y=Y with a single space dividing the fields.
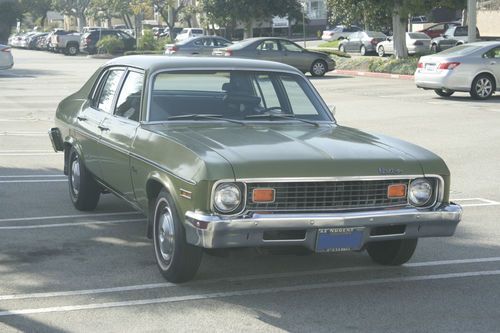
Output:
x=154 y=63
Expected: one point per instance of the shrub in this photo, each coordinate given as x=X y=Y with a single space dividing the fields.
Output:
x=333 y=43
x=110 y=45
x=391 y=65
x=143 y=52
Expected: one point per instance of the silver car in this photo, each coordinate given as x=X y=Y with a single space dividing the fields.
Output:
x=362 y=42
x=6 y=59
x=197 y=46
x=416 y=43
x=473 y=68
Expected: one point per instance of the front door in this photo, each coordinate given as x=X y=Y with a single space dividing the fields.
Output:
x=492 y=59
x=118 y=133
x=269 y=49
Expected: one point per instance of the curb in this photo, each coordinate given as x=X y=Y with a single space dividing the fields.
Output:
x=374 y=74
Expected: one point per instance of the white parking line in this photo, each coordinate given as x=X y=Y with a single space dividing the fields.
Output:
x=32 y=176
x=23 y=134
x=28 y=153
x=248 y=292
x=33 y=181
x=70 y=224
x=36 y=218
x=483 y=202
x=242 y=278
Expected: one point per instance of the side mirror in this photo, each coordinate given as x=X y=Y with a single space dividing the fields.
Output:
x=332 y=109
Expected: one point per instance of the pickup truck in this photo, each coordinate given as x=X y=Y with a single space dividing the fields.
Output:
x=454 y=36
x=68 y=43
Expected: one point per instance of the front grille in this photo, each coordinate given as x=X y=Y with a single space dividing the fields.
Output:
x=326 y=196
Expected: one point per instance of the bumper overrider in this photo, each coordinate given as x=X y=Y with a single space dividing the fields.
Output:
x=213 y=231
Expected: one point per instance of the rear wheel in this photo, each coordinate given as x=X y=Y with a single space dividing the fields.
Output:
x=342 y=48
x=72 y=49
x=482 y=87
x=177 y=260
x=381 y=51
x=83 y=189
x=362 y=50
x=392 y=252
x=319 y=68
x=444 y=92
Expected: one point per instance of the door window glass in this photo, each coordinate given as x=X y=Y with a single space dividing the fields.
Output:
x=108 y=91
x=290 y=47
x=268 y=45
x=263 y=84
x=299 y=101
x=129 y=101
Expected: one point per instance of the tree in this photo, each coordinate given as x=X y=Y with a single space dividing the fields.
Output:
x=37 y=9
x=10 y=12
x=107 y=9
x=76 y=8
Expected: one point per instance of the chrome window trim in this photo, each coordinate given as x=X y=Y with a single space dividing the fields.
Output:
x=152 y=76
x=438 y=198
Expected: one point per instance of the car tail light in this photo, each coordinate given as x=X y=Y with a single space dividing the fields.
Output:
x=88 y=40
x=420 y=65
x=7 y=49
x=418 y=42
x=172 y=49
x=228 y=53
x=448 y=65
x=374 y=41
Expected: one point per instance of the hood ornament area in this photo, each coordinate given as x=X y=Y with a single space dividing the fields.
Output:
x=389 y=171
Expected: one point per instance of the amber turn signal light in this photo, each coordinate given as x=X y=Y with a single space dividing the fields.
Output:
x=263 y=195
x=396 y=191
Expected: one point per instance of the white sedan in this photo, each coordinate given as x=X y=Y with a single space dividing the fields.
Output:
x=6 y=59
x=473 y=68
x=416 y=43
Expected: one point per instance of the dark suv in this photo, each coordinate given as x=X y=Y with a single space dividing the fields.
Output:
x=89 y=40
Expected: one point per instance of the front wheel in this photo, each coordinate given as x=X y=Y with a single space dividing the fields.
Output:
x=83 y=189
x=72 y=50
x=392 y=252
x=482 y=87
x=177 y=260
x=381 y=51
x=318 y=68
x=362 y=50
x=444 y=92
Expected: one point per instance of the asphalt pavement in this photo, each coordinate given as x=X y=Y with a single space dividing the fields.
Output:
x=62 y=270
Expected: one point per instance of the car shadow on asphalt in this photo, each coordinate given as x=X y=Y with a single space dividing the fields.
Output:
x=495 y=99
x=27 y=73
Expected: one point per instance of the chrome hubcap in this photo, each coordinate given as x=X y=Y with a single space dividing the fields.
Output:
x=318 y=68
x=166 y=232
x=75 y=176
x=484 y=87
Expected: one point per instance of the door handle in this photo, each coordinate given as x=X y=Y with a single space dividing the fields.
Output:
x=102 y=128
x=81 y=118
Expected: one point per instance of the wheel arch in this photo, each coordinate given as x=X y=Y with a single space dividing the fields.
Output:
x=154 y=185
x=68 y=144
x=491 y=75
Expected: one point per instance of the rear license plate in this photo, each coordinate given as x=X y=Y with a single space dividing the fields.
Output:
x=339 y=239
x=430 y=67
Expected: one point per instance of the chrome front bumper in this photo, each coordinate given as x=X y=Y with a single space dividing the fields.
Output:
x=56 y=139
x=212 y=231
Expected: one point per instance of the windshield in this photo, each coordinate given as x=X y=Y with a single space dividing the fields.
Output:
x=460 y=50
x=236 y=95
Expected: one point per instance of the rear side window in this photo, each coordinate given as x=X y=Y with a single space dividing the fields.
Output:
x=461 y=31
x=197 y=31
x=108 y=90
x=129 y=101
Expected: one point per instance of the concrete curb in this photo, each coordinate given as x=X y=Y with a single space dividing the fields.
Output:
x=374 y=74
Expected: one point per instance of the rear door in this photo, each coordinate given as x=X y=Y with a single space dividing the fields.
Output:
x=118 y=132
x=492 y=59
x=269 y=49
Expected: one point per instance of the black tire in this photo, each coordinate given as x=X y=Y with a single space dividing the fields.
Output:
x=444 y=92
x=482 y=87
x=434 y=48
x=319 y=68
x=177 y=260
x=381 y=51
x=342 y=48
x=362 y=50
x=83 y=189
x=392 y=252
x=71 y=49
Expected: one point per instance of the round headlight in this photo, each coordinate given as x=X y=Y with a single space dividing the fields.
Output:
x=227 y=197
x=420 y=192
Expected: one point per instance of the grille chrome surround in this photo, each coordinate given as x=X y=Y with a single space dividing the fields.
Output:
x=327 y=195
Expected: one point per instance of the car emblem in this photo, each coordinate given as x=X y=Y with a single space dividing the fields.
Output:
x=389 y=171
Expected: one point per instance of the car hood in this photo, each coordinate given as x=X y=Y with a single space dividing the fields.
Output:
x=256 y=151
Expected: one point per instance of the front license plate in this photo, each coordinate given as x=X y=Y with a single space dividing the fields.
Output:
x=339 y=239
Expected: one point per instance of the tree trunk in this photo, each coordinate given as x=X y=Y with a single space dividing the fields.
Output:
x=399 y=33
x=248 y=29
x=81 y=21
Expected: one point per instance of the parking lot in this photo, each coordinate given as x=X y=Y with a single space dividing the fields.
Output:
x=64 y=270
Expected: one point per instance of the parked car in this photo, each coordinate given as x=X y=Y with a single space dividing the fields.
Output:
x=6 y=59
x=339 y=32
x=280 y=50
x=187 y=33
x=473 y=68
x=54 y=39
x=35 y=40
x=197 y=46
x=88 y=41
x=419 y=19
x=363 y=42
x=456 y=35
x=228 y=153
x=416 y=43
x=68 y=44
x=437 y=30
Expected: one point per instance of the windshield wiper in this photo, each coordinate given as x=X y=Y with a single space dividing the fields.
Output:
x=197 y=116
x=272 y=116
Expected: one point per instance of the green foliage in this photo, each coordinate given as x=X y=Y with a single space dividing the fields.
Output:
x=406 y=66
x=143 y=52
x=110 y=45
x=147 y=41
x=332 y=52
x=10 y=11
x=332 y=44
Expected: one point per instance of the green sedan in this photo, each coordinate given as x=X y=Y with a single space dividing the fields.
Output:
x=224 y=153
x=280 y=50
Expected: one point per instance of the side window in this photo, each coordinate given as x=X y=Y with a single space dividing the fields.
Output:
x=199 y=42
x=268 y=45
x=108 y=91
x=290 y=47
x=439 y=27
x=461 y=31
x=263 y=85
x=129 y=101
x=299 y=101
x=493 y=54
